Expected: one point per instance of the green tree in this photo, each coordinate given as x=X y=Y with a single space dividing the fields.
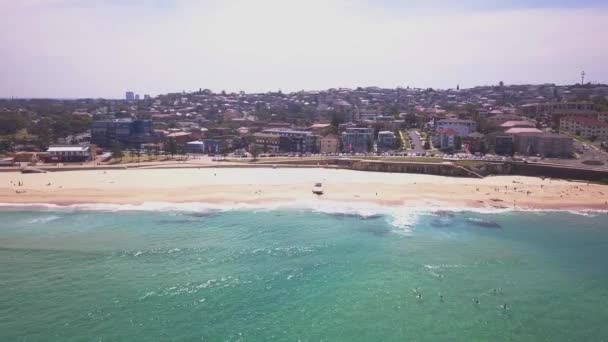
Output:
x=457 y=143
x=117 y=150
x=255 y=150
x=427 y=143
x=172 y=147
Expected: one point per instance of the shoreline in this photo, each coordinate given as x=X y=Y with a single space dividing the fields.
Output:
x=267 y=187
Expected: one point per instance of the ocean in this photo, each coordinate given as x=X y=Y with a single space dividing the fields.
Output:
x=287 y=274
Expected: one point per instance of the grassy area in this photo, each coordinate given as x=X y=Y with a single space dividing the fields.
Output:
x=468 y=163
x=405 y=159
x=128 y=159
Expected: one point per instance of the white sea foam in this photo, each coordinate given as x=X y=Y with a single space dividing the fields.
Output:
x=402 y=218
x=44 y=219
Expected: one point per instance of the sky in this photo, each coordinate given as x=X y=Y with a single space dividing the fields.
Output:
x=102 y=48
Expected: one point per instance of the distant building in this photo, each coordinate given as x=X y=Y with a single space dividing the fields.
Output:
x=543 y=144
x=296 y=141
x=504 y=145
x=127 y=132
x=446 y=139
x=180 y=137
x=474 y=143
x=130 y=96
x=497 y=120
x=519 y=130
x=268 y=142
x=585 y=127
x=68 y=153
x=357 y=140
x=538 y=109
x=386 y=140
x=321 y=129
x=136 y=97
x=147 y=97
x=329 y=144
x=517 y=124
x=460 y=126
x=206 y=146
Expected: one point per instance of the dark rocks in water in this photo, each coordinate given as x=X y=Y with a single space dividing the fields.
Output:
x=483 y=223
x=202 y=214
x=359 y=216
x=376 y=230
x=441 y=222
x=444 y=213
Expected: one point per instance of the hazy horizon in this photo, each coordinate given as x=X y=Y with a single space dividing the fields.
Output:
x=100 y=49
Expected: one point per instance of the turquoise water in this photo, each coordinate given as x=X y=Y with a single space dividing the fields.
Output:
x=302 y=276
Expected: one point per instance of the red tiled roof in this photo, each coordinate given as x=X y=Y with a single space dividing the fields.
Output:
x=586 y=121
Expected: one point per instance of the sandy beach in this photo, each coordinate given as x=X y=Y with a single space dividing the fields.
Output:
x=254 y=186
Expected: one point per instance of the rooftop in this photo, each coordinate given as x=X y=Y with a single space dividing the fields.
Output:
x=519 y=130
x=66 y=148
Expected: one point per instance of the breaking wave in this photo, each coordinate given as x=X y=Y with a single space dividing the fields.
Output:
x=402 y=218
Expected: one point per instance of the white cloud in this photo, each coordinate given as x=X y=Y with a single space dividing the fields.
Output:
x=271 y=44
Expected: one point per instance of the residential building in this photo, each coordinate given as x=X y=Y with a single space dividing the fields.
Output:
x=268 y=142
x=462 y=127
x=329 y=144
x=503 y=145
x=357 y=140
x=213 y=145
x=537 y=109
x=321 y=129
x=386 y=140
x=68 y=153
x=497 y=120
x=585 y=127
x=474 y=143
x=446 y=139
x=195 y=147
x=180 y=137
x=298 y=141
x=517 y=124
x=519 y=130
x=549 y=145
x=127 y=132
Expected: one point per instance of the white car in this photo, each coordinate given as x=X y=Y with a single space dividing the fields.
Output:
x=317 y=189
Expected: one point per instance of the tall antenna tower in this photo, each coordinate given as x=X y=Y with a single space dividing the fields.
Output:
x=583 y=74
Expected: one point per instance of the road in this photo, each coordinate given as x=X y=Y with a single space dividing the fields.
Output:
x=591 y=153
x=417 y=145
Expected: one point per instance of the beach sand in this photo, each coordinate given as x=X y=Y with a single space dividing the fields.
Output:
x=255 y=186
